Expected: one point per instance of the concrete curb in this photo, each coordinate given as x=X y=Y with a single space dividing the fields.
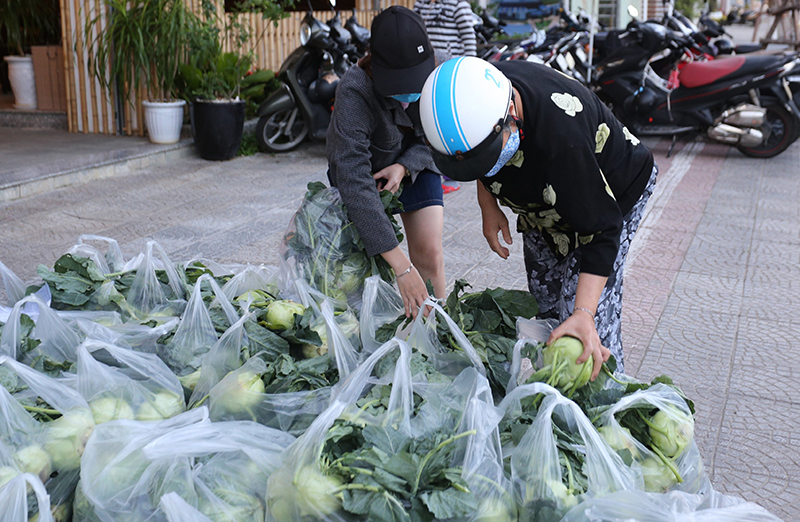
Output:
x=102 y=167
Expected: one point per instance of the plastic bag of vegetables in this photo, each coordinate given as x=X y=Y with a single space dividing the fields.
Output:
x=286 y=392
x=148 y=295
x=13 y=285
x=227 y=465
x=227 y=354
x=381 y=304
x=119 y=383
x=219 y=469
x=47 y=340
x=178 y=510
x=23 y=497
x=674 y=506
x=251 y=277
x=113 y=466
x=391 y=446
x=197 y=332
x=47 y=425
x=557 y=457
x=107 y=262
x=322 y=246
x=653 y=430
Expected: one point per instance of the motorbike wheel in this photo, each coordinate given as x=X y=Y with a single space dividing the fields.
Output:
x=784 y=132
x=281 y=131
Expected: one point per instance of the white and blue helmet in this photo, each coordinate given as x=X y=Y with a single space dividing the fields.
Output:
x=463 y=106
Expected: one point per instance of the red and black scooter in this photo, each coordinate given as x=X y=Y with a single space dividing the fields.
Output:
x=744 y=101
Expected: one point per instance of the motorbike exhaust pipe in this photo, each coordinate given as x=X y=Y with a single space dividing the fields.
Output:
x=744 y=115
x=731 y=135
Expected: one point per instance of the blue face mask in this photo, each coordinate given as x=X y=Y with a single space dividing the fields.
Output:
x=510 y=148
x=406 y=98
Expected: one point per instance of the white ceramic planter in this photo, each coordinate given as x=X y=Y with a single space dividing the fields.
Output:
x=164 y=121
x=20 y=73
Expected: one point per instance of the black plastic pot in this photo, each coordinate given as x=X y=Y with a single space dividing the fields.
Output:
x=217 y=128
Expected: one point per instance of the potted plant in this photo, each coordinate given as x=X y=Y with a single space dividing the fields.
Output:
x=23 y=23
x=212 y=78
x=140 y=48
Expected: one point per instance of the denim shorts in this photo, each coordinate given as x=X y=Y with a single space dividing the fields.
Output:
x=426 y=191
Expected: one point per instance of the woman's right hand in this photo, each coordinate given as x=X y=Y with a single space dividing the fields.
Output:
x=409 y=282
x=413 y=290
x=494 y=222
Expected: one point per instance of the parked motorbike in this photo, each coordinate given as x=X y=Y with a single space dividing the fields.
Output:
x=723 y=46
x=360 y=35
x=301 y=107
x=744 y=101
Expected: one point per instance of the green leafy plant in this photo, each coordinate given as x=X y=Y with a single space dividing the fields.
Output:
x=28 y=22
x=212 y=73
x=141 y=45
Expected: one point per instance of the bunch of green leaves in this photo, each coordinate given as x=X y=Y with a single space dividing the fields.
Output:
x=389 y=475
x=287 y=369
x=327 y=247
x=489 y=320
x=211 y=73
x=570 y=449
x=256 y=86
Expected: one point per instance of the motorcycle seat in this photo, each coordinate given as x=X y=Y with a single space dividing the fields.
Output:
x=698 y=74
x=748 y=48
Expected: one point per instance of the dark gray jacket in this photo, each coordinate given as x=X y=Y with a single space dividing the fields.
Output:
x=367 y=133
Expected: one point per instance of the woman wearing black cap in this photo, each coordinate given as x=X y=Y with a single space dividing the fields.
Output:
x=375 y=141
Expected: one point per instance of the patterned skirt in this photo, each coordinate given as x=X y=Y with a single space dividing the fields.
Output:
x=553 y=281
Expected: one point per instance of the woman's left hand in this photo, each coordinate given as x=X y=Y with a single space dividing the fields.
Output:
x=581 y=326
x=390 y=178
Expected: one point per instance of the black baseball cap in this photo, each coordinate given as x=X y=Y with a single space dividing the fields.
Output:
x=402 y=55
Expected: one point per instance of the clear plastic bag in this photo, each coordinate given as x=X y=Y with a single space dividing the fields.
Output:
x=196 y=334
x=107 y=262
x=243 y=394
x=381 y=304
x=671 y=460
x=411 y=419
x=251 y=278
x=224 y=357
x=57 y=340
x=219 y=469
x=53 y=447
x=675 y=506
x=139 y=337
x=113 y=467
x=14 y=287
x=561 y=458
x=14 y=499
x=322 y=246
x=178 y=510
x=423 y=336
x=127 y=384
x=147 y=295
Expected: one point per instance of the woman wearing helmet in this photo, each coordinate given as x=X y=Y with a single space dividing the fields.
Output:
x=375 y=141
x=543 y=145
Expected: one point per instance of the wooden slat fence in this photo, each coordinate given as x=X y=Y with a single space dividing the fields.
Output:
x=92 y=109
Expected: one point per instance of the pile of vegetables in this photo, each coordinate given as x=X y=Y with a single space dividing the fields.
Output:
x=146 y=389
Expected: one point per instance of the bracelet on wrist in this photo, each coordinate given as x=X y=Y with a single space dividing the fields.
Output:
x=582 y=309
x=407 y=270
